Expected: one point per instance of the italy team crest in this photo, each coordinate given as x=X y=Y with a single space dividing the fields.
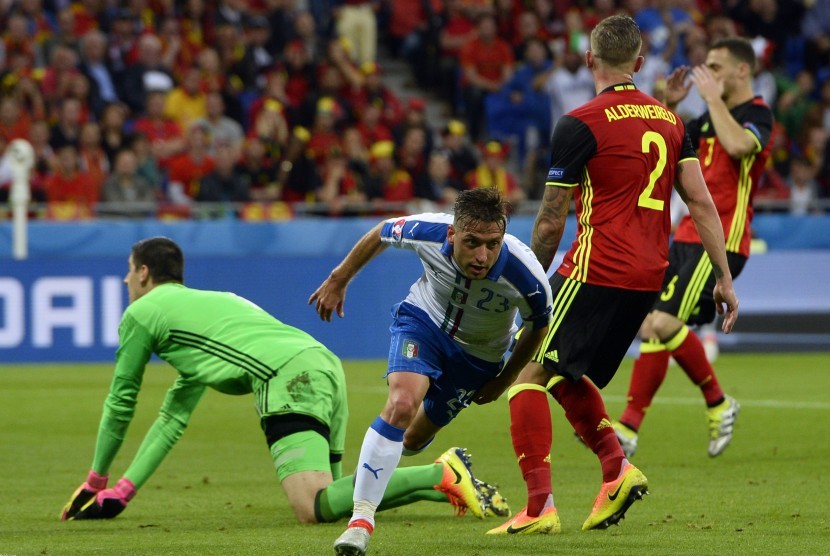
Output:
x=410 y=349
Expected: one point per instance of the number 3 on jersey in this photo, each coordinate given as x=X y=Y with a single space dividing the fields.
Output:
x=646 y=200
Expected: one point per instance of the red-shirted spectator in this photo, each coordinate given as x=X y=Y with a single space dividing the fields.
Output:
x=412 y=154
x=165 y=135
x=186 y=170
x=271 y=127
x=68 y=184
x=370 y=126
x=507 y=14
x=487 y=64
x=17 y=42
x=93 y=159
x=324 y=136
x=414 y=116
x=86 y=16
x=458 y=29
x=260 y=171
x=339 y=186
x=195 y=25
x=14 y=121
x=374 y=91
x=386 y=181
x=63 y=65
x=177 y=50
x=274 y=95
x=300 y=73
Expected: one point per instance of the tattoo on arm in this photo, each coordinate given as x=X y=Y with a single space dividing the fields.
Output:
x=550 y=223
x=718 y=271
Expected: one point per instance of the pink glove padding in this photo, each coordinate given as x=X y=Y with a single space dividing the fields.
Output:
x=95 y=482
x=124 y=490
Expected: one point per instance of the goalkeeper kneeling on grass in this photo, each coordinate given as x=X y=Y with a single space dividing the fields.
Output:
x=225 y=342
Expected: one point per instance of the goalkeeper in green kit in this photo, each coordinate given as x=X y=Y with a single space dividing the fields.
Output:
x=222 y=341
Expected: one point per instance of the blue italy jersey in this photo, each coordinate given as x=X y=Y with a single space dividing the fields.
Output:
x=480 y=315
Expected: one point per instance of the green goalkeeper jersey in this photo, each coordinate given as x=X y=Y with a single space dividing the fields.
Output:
x=213 y=339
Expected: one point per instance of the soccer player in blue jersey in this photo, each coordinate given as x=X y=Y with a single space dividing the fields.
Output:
x=449 y=335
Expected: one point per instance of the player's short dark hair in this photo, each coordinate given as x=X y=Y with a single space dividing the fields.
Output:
x=162 y=257
x=484 y=204
x=616 y=40
x=739 y=48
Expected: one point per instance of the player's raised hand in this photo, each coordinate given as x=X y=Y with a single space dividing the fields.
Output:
x=725 y=296
x=676 y=86
x=707 y=85
x=109 y=502
x=328 y=298
x=94 y=484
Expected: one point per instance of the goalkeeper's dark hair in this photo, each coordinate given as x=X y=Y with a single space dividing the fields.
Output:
x=162 y=257
x=739 y=48
x=483 y=205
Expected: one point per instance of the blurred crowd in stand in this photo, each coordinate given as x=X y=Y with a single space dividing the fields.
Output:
x=267 y=108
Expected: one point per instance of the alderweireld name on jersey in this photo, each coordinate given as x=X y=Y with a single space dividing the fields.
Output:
x=645 y=111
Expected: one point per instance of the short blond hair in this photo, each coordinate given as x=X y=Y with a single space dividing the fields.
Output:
x=616 y=40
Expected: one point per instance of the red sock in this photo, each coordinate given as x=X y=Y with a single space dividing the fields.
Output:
x=585 y=411
x=649 y=372
x=691 y=356
x=362 y=523
x=532 y=434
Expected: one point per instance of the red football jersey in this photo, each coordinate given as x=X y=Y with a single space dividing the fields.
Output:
x=619 y=152
x=732 y=182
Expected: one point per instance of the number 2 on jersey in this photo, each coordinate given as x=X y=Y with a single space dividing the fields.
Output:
x=646 y=200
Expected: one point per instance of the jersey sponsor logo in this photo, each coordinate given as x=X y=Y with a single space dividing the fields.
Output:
x=555 y=173
x=705 y=127
x=410 y=349
x=553 y=355
x=397 y=229
x=412 y=229
x=642 y=111
x=537 y=292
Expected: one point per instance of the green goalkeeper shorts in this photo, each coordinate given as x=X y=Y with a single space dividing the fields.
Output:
x=312 y=385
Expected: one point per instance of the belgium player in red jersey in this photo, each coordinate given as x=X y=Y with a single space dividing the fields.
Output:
x=618 y=157
x=733 y=139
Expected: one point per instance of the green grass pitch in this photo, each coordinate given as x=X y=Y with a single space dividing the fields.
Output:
x=217 y=492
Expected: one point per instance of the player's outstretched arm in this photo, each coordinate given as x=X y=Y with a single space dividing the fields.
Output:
x=693 y=191
x=331 y=295
x=525 y=348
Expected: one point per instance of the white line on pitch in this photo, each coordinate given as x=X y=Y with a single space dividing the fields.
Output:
x=777 y=404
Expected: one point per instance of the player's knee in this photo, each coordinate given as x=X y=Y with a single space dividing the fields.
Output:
x=401 y=408
x=305 y=515
x=664 y=325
